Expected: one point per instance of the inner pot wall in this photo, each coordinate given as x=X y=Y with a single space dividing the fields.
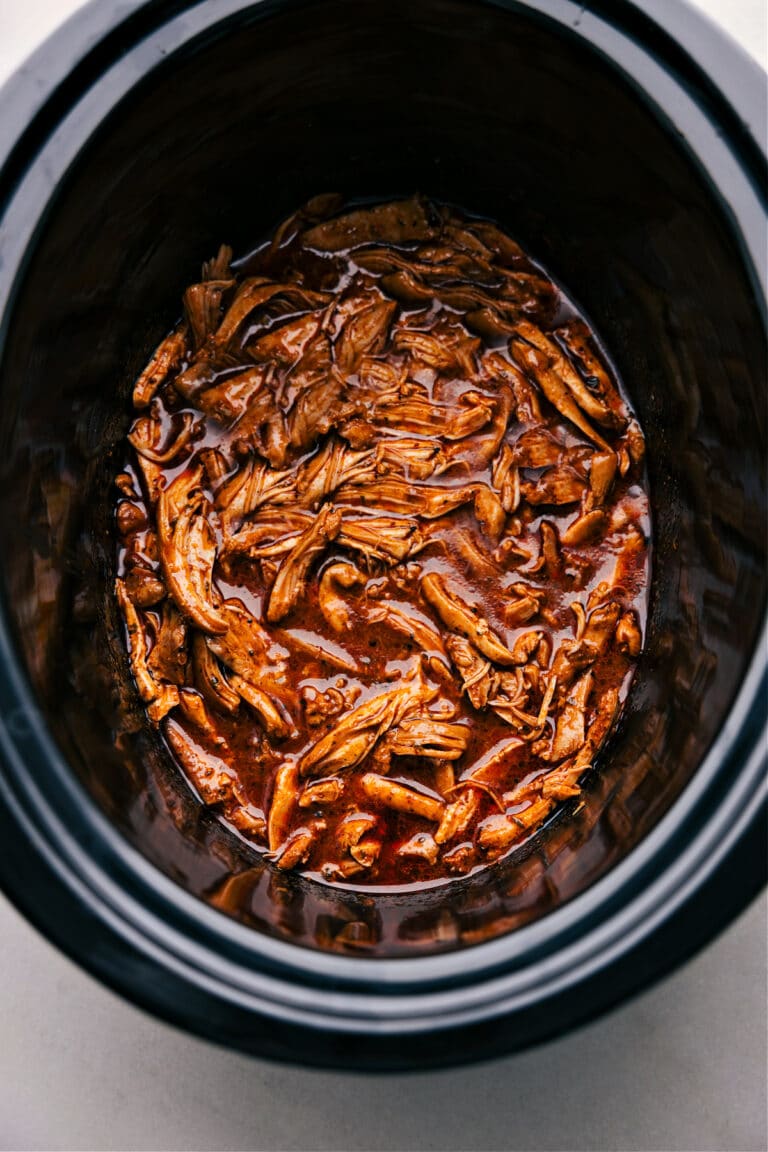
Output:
x=504 y=114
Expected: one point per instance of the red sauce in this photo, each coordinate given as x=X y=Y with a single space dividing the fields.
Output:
x=385 y=463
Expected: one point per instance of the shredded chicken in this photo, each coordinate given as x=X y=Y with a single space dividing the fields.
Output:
x=402 y=798
x=167 y=357
x=461 y=618
x=336 y=580
x=188 y=551
x=356 y=734
x=294 y=569
x=382 y=544
x=553 y=373
x=333 y=465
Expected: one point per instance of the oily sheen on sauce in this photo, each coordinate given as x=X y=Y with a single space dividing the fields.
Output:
x=383 y=543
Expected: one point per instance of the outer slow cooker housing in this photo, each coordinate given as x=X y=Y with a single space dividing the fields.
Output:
x=139 y=139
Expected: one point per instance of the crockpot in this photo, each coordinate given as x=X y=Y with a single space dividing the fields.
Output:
x=621 y=143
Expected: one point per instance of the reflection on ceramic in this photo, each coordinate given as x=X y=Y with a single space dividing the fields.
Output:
x=507 y=114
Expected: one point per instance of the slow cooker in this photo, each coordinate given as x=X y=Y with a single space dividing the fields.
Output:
x=623 y=144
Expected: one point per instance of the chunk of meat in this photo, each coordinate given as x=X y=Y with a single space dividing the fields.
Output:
x=562 y=783
x=249 y=819
x=392 y=494
x=444 y=776
x=399 y=222
x=282 y=804
x=601 y=625
x=252 y=487
x=243 y=401
x=166 y=359
x=461 y=618
x=558 y=485
x=570 y=725
x=525 y=646
x=201 y=372
x=193 y=708
x=499 y=832
x=255 y=293
x=537 y=448
x=210 y=678
x=166 y=695
x=542 y=360
x=146 y=434
x=381 y=537
x=629 y=638
x=489 y=324
x=294 y=569
x=256 y=674
x=365 y=332
x=406 y=287
x=296 y=849
x=333 y=465
x=275 y=723
x=571 y=658
x=478 y=679
x=585 y=528
x=335 y=579
x=523 y=397
x=319 y=792
x=286 y=343
x=202 y=308
x=450 y=352
x=422 y=846
x=476 y=559
x=130 y=518
x=416 y=414
x=319 y=706
x=356 y=734
x=187 y=558
x=352 y=829
x=479 y=449
x=550 y=550
x=270 y=533
x=523 y=606
x=490 y=512
x=589 y=401
x=404 y=619
x=188 y=550
x=366 y=852
x=602 y=472
x=461 y=859
x=511 y=701
x=315 y=411
x=607 y=404
x=322 y=649
x=506 y=478
x=209 y=774
x=169 y=656
x=458 y=815
x=416 y=459
x=425 y=736
x=144 y=587
x=402 y=798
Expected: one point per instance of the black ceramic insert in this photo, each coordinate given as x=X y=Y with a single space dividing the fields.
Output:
x=509 y=113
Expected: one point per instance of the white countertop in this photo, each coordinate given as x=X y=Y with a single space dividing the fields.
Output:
x=682 y=1067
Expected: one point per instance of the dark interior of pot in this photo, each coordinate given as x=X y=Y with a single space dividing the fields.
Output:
x=505 y=116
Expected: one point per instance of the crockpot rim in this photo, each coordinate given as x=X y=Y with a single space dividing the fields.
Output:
x=19 y=794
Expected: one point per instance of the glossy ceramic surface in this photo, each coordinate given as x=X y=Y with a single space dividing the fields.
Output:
x=593 y=137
